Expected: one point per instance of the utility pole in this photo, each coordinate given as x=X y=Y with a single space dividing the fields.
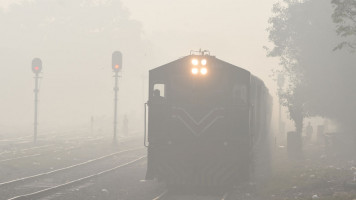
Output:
x=36 y=68
x=116 y=66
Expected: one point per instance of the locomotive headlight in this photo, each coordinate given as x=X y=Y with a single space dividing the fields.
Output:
x=195 y=71
x=195 y=62
x=203 y=71
x=203 y=62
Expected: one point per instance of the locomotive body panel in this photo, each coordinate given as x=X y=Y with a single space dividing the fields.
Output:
x=202 y=127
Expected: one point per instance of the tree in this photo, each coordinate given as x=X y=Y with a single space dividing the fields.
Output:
x=283 y=34
x=320 y=80
x=345 y=18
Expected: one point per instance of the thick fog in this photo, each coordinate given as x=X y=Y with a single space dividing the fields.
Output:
x=212 y=128
x=320 y=73
x=75 y=40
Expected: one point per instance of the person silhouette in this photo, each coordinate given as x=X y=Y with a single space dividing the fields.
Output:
x=309 y=131
x=157 y=98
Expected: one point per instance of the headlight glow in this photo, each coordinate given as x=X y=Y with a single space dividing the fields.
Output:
x=195 y=62
x=195 y=71
x=203 y=62
x=203 y=71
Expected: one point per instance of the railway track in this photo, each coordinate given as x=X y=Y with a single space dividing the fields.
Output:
x=27 y=153
x=35 y=151
x=46 y=192
x=174 y=195
x=31 y=187
x=15 y=166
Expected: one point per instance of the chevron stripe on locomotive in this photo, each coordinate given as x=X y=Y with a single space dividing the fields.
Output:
x=207 y=120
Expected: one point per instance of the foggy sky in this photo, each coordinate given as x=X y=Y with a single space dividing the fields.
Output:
x=234 y=31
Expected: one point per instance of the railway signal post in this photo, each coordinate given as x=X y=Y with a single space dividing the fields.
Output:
x=116 y=66
x=36 y=69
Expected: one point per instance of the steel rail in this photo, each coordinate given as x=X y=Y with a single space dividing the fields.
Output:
x=46 y=192
x=28 y=178
x=45 y=146
x=162 y=195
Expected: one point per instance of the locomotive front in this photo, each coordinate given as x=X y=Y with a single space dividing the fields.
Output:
x=198 y=122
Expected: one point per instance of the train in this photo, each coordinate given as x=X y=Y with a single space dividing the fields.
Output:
x=207 y=122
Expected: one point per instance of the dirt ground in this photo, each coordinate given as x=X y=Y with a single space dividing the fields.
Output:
x=320 y=172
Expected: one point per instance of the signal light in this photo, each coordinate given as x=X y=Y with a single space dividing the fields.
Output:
x=36 y=66
x=116 y=61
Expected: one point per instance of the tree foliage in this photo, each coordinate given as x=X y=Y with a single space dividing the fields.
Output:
x=344 y=16
x=320 y=80
x=283 y=32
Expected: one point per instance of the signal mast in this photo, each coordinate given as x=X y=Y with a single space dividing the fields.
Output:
x=116 y=67
x=36 y=69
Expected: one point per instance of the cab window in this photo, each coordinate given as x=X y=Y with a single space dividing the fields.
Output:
x=159 y=87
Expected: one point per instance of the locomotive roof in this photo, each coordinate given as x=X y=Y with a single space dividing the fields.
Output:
x=187 y=60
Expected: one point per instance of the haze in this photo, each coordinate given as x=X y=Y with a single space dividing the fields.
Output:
x=284 y=131
x=71 y=92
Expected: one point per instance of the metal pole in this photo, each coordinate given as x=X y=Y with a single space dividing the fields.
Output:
x=143 y=91
x=280 y=117
x=116 y=89
x=36 y=107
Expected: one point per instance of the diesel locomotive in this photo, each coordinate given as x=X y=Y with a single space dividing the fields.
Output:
x=207 y=122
